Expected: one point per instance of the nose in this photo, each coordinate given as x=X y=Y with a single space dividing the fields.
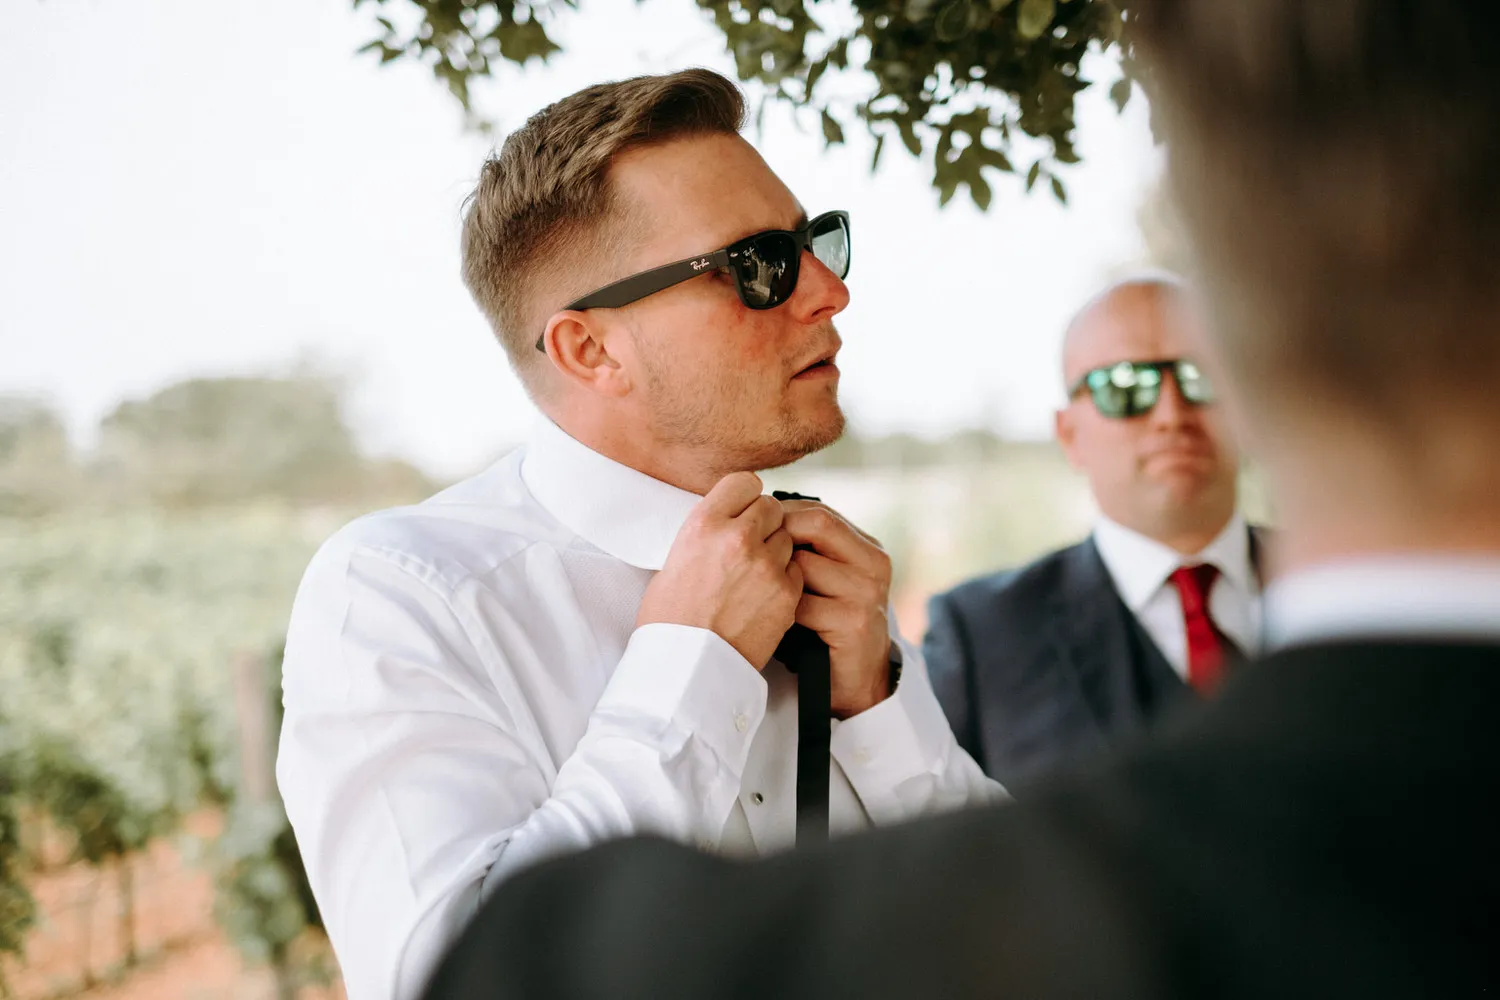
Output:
x=1172 y=409
x=820 y=294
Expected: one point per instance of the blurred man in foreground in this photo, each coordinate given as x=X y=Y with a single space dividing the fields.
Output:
x=1053 y=663
x=1321 y=828
x=577 y=644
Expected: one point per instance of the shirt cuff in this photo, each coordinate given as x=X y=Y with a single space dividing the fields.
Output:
x=902 y=738
x=676 y=682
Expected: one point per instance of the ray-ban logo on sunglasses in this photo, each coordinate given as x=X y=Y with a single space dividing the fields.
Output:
x=699 y=265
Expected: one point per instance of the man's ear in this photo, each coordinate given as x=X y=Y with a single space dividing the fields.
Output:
x=578 y=345
x=1066 y=429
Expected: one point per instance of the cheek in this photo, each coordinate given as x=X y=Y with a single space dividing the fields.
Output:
x=753 y=339
x=1111 y=448
x=1216 y=423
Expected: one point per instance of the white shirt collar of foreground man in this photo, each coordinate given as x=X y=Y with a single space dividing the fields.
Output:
x=618 y=510
x=1419 y=596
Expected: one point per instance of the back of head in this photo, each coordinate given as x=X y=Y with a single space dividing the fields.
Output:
x=1337 y=164
x=542 y=226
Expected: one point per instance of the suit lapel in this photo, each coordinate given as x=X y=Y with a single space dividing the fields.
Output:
x=1093 y=648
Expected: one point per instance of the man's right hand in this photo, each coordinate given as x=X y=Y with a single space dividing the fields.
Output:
x=730 y=571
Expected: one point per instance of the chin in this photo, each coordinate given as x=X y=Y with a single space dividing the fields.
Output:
x=801 y=438
x=824 y=432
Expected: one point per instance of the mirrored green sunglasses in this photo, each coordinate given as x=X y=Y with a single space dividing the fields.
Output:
x=1132 y=388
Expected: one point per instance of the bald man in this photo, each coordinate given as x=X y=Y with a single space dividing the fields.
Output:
x=1052 y=664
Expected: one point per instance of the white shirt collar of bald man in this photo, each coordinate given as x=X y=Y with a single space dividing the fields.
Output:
x=1141 y=568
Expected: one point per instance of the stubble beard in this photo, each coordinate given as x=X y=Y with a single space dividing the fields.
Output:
x=711 y=416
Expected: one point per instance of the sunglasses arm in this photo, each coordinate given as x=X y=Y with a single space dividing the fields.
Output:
x=638 y=286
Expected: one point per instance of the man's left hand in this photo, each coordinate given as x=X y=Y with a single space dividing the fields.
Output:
x=846 y=589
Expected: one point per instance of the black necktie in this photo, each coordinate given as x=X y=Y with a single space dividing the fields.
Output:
x=806 y=655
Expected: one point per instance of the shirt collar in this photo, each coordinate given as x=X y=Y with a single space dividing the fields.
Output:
x=1140 y=566
x=618 y=510
x=1431 y=596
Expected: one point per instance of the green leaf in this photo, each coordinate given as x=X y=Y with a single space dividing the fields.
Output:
x=979 y=190
x=946 y=185
x=813 y=73
x=1034 y=17
x=1120 y=92
x=879 y=145
x=1059 y=191
x=1033 y=174
x=952 y=21
x=832 y=131
x=994 y=158
x=909 y=138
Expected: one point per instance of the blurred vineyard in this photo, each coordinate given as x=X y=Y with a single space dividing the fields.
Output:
x=138 y=661
x=143 y=598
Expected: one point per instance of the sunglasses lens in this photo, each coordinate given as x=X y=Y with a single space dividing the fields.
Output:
x=1124 y=390
x=830 y=244
x=1194 y=384
x=767 y=270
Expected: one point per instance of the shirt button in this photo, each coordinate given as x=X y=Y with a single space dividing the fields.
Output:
x=741 y=721
x=862 y=755
x=757 y=798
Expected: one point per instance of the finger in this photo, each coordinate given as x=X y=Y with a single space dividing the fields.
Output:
x=831 y=578
x=792 y=505
x=780 y=546
x=794 y=576
x=829 y=616
x=731 y=495
x=763 y=517
x=829 y=534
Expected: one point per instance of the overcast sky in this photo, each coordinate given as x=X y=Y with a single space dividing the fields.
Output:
x=192 y=188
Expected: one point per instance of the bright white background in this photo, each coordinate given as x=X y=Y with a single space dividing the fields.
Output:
x=194 y=187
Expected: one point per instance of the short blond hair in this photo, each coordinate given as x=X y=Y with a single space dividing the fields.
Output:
x=545 y=191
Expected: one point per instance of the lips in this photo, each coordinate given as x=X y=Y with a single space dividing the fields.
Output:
x=823 y=363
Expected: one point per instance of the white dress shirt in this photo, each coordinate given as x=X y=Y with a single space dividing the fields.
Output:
x=466 y=693
x=1142 y=567
x=1382 y=597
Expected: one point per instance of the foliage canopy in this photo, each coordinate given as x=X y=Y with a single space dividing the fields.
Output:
x=958 y=83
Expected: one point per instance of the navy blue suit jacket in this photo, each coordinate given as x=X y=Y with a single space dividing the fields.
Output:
x=1044 y=667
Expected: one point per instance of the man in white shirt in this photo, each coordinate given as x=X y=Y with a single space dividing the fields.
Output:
x=1324 y=825
x=1079 y=652
x=576 y=644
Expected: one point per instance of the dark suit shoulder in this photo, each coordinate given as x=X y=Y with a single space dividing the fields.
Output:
x=1020 y=589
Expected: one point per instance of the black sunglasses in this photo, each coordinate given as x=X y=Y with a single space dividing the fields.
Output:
x=1132 y=388
x=765 y=267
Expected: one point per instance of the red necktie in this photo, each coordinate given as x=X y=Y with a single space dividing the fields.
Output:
x=1204 y=641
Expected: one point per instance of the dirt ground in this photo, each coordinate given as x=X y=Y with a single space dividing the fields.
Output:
x=77 y=949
